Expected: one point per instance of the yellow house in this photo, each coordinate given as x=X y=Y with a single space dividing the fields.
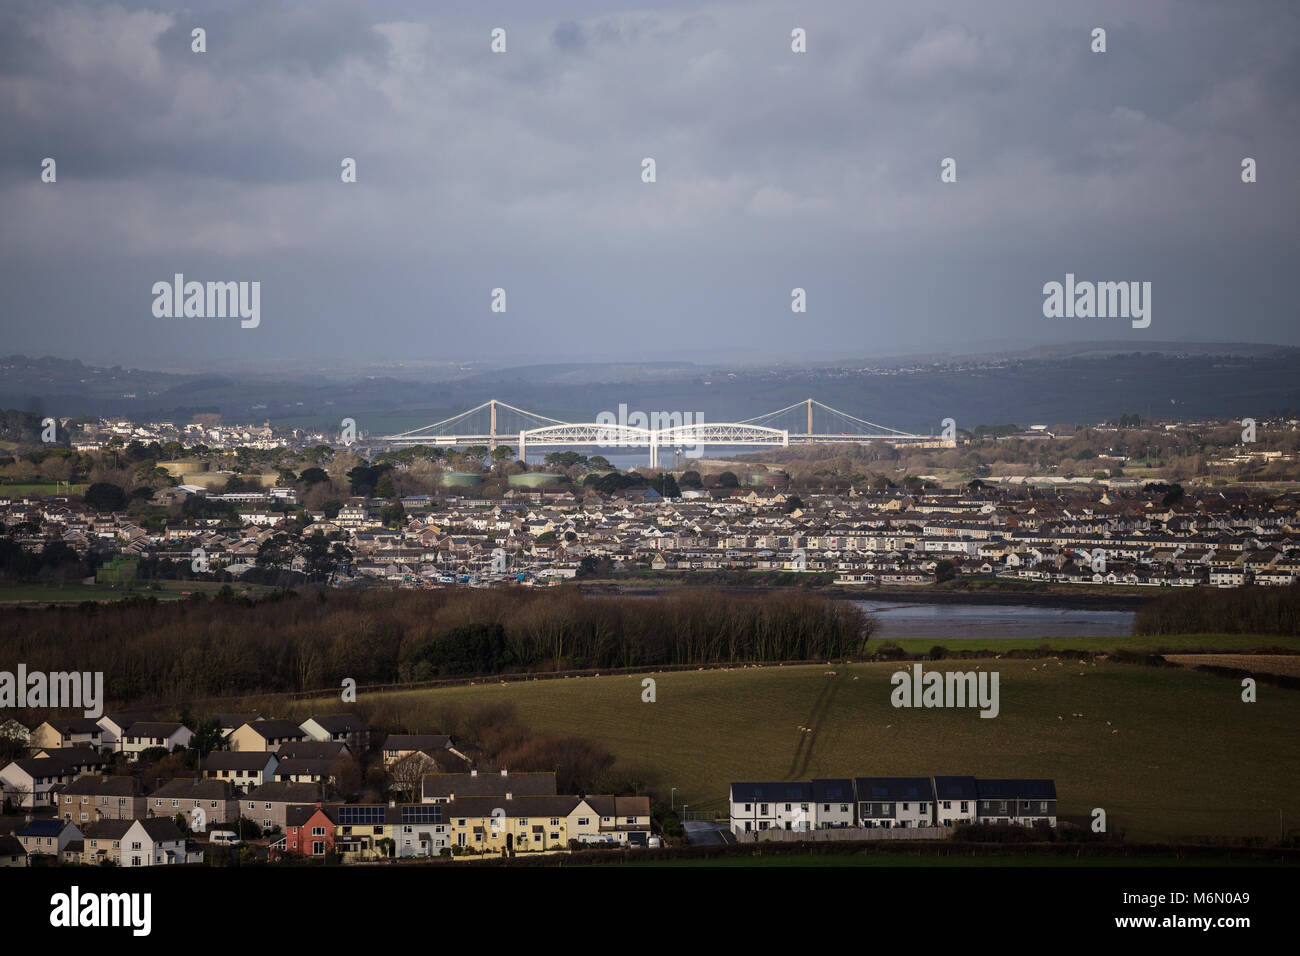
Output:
x=519 y=824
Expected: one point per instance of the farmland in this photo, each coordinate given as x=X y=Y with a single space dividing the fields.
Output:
x=1162 y=750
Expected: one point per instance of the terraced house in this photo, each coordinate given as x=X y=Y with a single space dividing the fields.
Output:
x=895 y=803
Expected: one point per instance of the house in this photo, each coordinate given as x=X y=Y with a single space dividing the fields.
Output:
x=1024 y=802
x=268 y=804
x=265 y=736
x=445 y=787
x=888 y=802
x=102 y=843
x=228 y=723
x=47 y=837
x=147 y=734
x=955 y=800
x=134 y=843
x=37 y=781
x=244 y=770
x=59 y=732
x=397 y=747
x=340 y=728
x=309 y=830
x=307 y=769
x=113 y=726
x=93 y=797
x=204 y=802
x=12 y=852
x=418 y=830
x=833 y=803
x=624 y=820
x=312 y=750
x=493 y=825
x=756 y=807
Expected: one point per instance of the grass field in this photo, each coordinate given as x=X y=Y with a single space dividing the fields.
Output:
x=1160 y=644
x=76 y=592
x=41 y=488
x=1168 y=753
x=932 y=859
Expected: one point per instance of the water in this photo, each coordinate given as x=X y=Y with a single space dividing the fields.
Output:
x=631 y=459
x=897 y=619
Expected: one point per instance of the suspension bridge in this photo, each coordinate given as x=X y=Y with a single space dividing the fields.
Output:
x=495 y=423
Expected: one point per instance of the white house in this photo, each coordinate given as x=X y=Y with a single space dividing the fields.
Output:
x=756 y=807
x=955 y=800
x=146 y=734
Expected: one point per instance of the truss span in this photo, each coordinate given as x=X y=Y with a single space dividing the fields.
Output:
x=723 y=433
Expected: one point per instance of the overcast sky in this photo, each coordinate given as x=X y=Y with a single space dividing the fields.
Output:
x=522 y=171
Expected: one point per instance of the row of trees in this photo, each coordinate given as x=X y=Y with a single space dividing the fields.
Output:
x=1255 y=610
x=151 y=651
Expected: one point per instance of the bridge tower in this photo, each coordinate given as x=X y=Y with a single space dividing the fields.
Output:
x=809 y=431
x=492 y=429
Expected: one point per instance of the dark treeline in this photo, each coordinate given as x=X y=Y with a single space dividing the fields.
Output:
x=158 y=651
x=1247 y=610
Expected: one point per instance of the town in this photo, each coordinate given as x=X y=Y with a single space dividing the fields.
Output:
x=226 y=503
x=116 y=792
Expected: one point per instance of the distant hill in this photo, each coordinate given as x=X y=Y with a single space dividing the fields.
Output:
x=1079 y=383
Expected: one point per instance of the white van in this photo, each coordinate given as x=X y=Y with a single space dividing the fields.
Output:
x=224 y=837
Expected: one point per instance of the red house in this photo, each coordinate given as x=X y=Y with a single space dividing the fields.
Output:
x=308 y=831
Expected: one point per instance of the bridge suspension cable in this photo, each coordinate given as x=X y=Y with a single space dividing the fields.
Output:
x=837 y=417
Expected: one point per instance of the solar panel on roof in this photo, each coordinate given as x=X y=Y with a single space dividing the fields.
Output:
x=361 y=816
x=431 y=813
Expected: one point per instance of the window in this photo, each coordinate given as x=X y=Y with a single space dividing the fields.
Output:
x=317 y=847
x=317 y=831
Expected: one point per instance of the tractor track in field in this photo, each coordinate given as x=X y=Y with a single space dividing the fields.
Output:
x=821 y=708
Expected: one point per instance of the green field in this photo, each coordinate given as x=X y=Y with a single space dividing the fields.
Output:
x=1168 y=753
x=933 y=859
x=1158 y=644
x=76 y=592
x=41 y=488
